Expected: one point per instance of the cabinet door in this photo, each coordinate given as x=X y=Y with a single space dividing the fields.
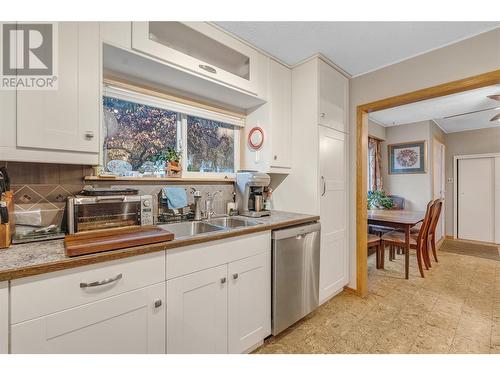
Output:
x=200 y=48
x=197 y=312
x=281 y=107
x=117 y=33
x=66 y=118
x=333 y=255
x=130 y=323
x=249 y=303
x=333 y=97
x=4 y=317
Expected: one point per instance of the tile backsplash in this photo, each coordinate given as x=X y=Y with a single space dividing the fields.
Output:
x=44 y=188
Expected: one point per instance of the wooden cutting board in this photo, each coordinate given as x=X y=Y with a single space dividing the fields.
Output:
x=113 y=239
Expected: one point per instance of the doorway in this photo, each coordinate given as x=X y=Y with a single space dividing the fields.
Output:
x=477 y=194
x=362 y=112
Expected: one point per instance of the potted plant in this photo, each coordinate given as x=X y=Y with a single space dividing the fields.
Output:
x=378 y=199
x=170 y=159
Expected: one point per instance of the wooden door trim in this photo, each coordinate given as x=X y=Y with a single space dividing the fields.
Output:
x=362 y=111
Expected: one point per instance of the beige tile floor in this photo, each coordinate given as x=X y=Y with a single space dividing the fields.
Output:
x=455 y=309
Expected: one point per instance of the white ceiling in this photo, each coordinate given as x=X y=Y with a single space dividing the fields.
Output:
x=356 y=47
x=451 y=105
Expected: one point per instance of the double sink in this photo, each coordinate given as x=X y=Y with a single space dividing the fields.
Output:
x=193 y=228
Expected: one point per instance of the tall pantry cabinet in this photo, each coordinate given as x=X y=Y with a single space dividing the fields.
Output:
x=318 y=184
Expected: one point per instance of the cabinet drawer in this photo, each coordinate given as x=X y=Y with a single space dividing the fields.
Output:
x=130 y=323
x=194 y=258
x=45 y=294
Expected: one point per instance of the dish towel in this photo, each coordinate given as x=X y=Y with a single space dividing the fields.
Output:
x=176 y=197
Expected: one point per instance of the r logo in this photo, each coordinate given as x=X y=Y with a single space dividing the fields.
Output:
x=27 y=49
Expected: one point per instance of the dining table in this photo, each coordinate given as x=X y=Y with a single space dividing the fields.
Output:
x=398 y=219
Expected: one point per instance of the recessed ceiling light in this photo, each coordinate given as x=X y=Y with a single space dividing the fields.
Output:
x=494 y=97
x=496 y=117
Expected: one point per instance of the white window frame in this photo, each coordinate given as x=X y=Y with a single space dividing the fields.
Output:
x=184 y=110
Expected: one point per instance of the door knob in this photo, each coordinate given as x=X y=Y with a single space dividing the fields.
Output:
x=158 y=303
x=235 y=276
x=223 y=280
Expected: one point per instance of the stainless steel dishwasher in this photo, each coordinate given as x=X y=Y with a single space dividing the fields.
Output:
x=295 y=278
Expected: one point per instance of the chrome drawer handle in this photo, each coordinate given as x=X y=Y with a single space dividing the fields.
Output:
x=222 y=280
x=102 y=282
x=208 y=68
x=235 y=276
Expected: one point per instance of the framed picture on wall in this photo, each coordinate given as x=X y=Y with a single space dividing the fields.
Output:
x=408 y=157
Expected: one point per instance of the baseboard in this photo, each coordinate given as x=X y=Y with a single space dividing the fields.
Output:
x=351 y=291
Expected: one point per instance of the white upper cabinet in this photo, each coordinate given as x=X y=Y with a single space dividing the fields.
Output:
x=333 y=98
x=68 y=118
x=200 y=48
x=280 y=93
x=274 y=117
x=118 y=34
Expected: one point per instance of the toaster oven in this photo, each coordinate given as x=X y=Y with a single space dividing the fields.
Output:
x=86 y=213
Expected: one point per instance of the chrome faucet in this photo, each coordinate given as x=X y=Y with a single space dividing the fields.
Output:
x=209 y=204
x=197 y=204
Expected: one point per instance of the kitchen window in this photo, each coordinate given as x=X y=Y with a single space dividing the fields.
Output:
x=138 y=127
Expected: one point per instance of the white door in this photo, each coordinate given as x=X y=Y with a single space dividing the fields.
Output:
x=67 y=118
x=249 y=302
x=333 y=258
x=197 y=312
x=130 y=323
x=438 y=168
x=476 y=199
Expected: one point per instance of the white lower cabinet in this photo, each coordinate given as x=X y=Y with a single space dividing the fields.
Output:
x=132 y=322
x=249 y=306
x=4 y=317
x=225 y=308
x=197 y=312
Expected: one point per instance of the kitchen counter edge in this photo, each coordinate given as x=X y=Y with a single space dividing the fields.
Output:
x=17 y=273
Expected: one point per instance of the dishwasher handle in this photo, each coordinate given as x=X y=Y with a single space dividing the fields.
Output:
x=294 y=232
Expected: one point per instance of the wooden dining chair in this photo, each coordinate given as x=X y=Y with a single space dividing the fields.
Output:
x=417 y=242
x=431 y=237
x=374 y=242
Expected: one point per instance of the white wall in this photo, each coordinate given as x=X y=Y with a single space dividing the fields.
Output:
x=415 y=188
x=467 y=58
x=375 y=130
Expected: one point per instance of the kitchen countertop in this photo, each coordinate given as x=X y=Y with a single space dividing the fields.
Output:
x=48 y=256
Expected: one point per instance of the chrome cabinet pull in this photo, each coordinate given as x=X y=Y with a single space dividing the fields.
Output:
x=102 y=282
x=158 y=303
x=235 y=276
x=223 y=280
x=324 y=186
x=89 y=135
x=322 y=114
x=208 y=68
